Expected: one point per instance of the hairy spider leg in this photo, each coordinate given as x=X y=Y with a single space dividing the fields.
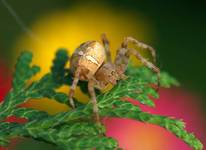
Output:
x=105 y=42
x=73 y=87
x=124 y=53
x=147 y=64
x=91 y=90
x=141 y=45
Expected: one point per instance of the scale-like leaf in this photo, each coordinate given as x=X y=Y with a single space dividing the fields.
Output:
x=76 y=129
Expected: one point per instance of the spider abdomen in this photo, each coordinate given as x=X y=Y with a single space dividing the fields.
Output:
x=89 y=56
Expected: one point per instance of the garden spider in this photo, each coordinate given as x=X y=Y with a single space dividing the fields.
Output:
x=92 y=62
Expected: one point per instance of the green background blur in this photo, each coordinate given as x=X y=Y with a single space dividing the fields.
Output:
x=180 y=30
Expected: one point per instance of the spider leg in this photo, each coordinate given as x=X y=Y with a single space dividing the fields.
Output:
x=140 y=45
x=148 y=64
x=122 y=59
x=91 y=90
x=106 y=47
x=73 y=87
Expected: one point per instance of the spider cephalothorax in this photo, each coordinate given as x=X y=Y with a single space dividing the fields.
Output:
x=92 y=62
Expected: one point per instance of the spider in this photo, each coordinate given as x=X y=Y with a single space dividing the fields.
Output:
x=92 y=62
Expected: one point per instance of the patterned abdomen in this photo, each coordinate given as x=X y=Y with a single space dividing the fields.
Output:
x=89 y=56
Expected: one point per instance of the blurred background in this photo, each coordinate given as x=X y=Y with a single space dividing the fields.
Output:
x=176 y=29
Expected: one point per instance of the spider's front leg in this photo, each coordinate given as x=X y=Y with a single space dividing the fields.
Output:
x=105 y=42
x=124 y=54
x=147 y=64
x=73 y=87
x=141 y=45
x=91 y=90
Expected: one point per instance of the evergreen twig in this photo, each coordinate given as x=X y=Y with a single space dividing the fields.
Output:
x=76 y=129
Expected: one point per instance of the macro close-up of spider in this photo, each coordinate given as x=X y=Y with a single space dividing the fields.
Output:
x=92 y=62
x=86 y=75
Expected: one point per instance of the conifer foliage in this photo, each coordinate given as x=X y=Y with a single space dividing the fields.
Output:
x=76 y=129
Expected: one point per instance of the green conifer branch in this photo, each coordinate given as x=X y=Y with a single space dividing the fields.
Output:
x=76 y=129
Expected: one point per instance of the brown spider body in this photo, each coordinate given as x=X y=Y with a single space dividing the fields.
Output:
x=89 y=56
x=92 y=62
